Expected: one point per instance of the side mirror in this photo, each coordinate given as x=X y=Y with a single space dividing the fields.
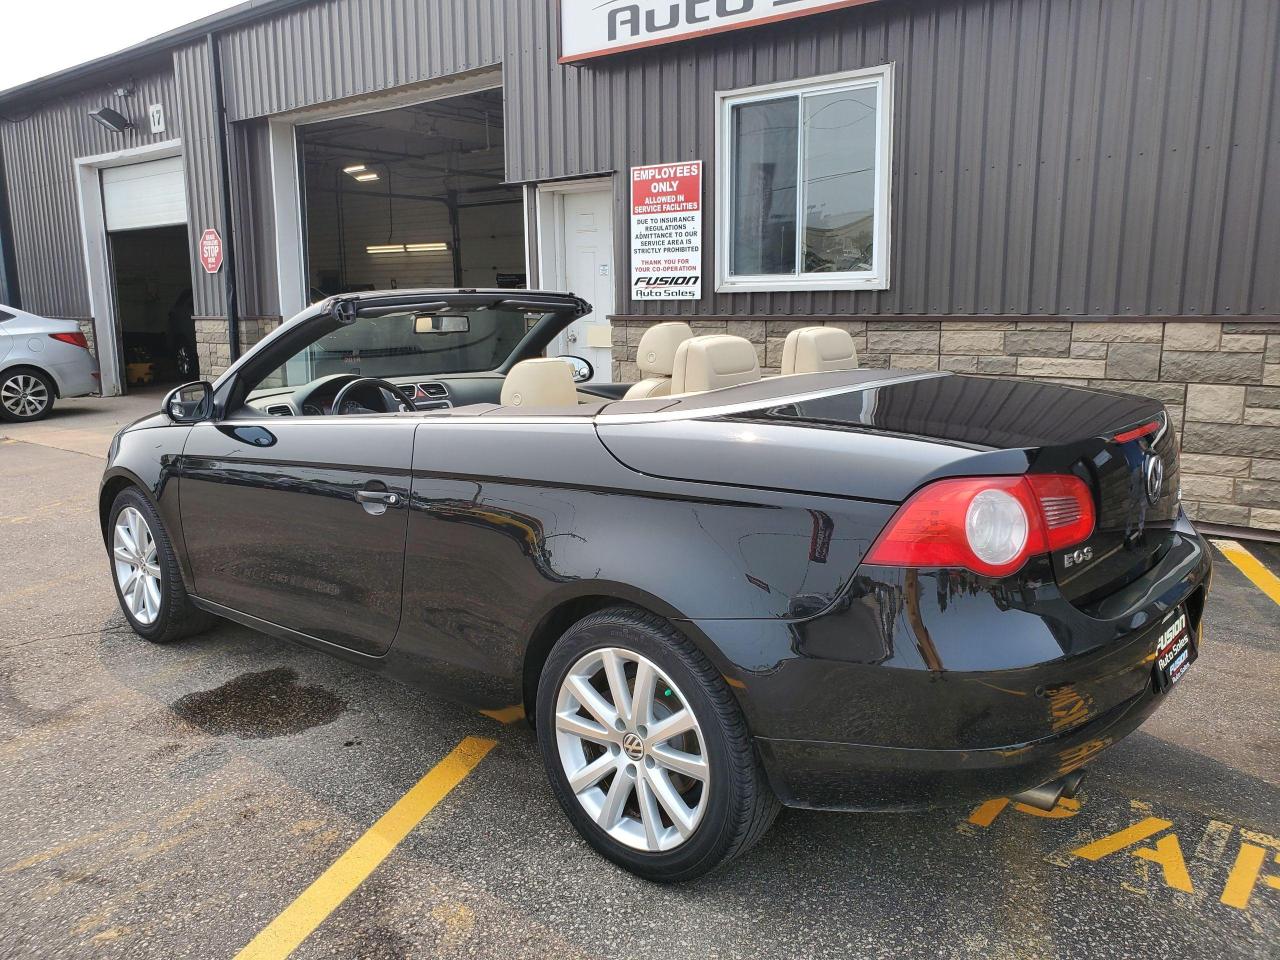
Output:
x=582 y=369
x=190 y=403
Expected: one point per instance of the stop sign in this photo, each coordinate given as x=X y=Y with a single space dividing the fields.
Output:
x=211 y=251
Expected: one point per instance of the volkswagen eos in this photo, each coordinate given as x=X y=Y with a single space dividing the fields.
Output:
x=711 y=593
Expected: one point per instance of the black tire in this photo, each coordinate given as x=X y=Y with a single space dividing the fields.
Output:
x=10 y=380
x=178 y=617
x=740 y=804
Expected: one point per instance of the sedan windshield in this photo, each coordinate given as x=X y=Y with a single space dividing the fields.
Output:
x=403 y=345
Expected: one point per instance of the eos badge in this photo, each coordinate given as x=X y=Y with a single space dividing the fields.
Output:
x=1155 y=479
x=1077 y=557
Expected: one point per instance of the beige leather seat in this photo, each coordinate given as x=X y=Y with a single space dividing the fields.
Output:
x=817 y=350
x=544 y=382
x=708 y=363
x=656 y=356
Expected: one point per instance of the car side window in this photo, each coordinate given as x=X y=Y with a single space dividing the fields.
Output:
x=5 y=316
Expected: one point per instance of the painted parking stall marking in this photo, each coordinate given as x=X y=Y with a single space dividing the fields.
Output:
x=1251 y=567
x=287 y=931
x=1250 y=858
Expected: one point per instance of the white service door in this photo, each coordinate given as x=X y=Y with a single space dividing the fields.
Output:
x=588 y=267
x=148 y=194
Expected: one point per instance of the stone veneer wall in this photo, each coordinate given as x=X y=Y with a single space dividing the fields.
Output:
x=1220 y=382
x=212 y=346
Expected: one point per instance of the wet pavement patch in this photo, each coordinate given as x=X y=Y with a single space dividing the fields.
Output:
x=270 y=703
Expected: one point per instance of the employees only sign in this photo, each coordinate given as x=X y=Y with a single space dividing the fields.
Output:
x=666 y=231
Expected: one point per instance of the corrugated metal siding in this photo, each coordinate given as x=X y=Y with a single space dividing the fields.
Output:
x=40 y=148
x=345 y=48
x=193 y=71
x=1056 y=157
x=255 y=221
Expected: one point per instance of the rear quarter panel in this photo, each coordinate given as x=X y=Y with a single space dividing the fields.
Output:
x=508 y=521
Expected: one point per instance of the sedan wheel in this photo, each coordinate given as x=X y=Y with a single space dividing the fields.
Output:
x=632 y=749
x=25 y=396
x=137 y=566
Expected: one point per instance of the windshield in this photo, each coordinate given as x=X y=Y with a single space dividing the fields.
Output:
x=404 y=345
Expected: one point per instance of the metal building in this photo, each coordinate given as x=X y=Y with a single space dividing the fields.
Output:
x=1082 y=190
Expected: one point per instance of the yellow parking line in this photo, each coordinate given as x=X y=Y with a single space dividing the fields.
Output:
x=283 y=935
x=1251 y=567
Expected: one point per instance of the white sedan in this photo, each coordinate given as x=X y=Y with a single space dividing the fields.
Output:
x=42 y=359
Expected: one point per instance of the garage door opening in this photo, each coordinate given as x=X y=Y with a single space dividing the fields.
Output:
x=412 y=197
x=152 y=275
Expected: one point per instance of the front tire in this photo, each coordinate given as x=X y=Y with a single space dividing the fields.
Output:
x=144 y=569
x=647 y=750
x=26 y=394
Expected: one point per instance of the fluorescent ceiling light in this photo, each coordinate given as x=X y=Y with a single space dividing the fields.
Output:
x=425 y=247
x=354 y=168
x=363 y=177
x=384 y=248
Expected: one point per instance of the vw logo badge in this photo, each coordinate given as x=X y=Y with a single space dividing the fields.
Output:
x=633 y=746
x=1155 y=479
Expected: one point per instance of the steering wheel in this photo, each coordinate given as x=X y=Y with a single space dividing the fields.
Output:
x=364 y=383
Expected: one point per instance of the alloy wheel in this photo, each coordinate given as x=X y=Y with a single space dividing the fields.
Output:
x=137 y=565
x=632 y=750
x=24 y=395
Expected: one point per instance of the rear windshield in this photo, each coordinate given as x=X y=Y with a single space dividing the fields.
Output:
x=404 y=345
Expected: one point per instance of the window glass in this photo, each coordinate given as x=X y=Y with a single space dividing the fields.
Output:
x=401 y=346
x=764 y=186
x=839 y=180
x=803 y=186
x=5 y=316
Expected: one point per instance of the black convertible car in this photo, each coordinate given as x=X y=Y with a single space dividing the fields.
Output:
x=712 y=593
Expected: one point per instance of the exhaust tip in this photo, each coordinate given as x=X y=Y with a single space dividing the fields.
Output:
x=1046 y=796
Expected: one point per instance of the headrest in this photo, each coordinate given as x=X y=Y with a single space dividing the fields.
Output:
x=544 y=382
x=817 y=350
x=707 y=363
x=657 y=351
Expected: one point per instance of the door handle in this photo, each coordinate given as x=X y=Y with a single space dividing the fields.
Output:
x=384 y=497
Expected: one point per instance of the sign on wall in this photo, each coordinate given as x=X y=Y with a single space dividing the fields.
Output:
x=590 y=28
x=666 y=231
x=211 y=251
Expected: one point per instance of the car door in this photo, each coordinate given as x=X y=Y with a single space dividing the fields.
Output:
x=301 y=522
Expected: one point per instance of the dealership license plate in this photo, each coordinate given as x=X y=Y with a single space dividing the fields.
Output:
x=1175 y=651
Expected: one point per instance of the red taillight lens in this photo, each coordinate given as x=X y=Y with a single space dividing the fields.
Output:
x=989 y=525
x=75 y=339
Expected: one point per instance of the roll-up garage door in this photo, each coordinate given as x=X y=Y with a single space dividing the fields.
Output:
x=151 y=194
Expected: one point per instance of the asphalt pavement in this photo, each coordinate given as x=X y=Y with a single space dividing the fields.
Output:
x=178 y=801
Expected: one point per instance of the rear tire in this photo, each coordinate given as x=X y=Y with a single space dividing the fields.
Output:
x=687 y=803
x=146 y=575
x=26 y=394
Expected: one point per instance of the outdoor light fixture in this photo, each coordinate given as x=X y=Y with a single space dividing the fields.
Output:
x=113 y=121
x=406 y=247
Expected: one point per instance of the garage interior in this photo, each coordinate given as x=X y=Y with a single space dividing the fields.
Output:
x=152 y=273
x=412 y=197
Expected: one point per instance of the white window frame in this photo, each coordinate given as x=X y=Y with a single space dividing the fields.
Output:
x=880 y=78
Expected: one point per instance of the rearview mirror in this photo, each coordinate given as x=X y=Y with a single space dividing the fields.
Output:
x=190 y=403
x=582 y=369
x=441 y=323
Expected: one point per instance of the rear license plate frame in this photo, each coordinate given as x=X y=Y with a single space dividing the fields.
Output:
x=1175 y=650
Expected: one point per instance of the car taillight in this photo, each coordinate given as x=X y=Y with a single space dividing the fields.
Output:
x=989 y=525
x=76 y=339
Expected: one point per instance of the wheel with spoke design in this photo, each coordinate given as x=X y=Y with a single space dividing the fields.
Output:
x=145 y=571
x=25 y=394
x=646 y=748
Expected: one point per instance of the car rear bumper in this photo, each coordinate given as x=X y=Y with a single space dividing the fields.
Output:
x=923 y=688
x=76 y=377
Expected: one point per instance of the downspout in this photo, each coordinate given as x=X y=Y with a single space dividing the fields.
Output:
x=224 y=174
x=8 y=267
